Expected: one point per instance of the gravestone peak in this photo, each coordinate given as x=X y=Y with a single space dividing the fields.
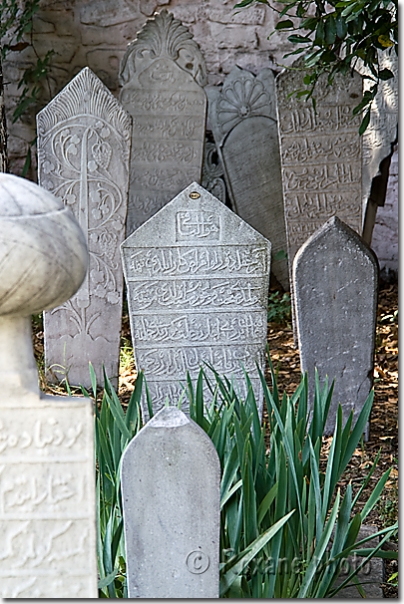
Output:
x=171 y=504
x=197 y=278
x=84 y=140
x=162 y=75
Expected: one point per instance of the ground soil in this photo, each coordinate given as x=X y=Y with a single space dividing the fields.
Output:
x=383 y=434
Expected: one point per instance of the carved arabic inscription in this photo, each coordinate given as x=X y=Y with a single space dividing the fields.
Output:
x=162 y=74
x=199 y=298
x=321 y=156
x=47 y=522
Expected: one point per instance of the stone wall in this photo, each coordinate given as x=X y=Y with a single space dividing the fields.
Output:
x=95 y=33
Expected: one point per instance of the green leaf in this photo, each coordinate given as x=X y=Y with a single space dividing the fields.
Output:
x=297 y=39
x=108 y=579
x=284 y=24
x=247 y=555
x=330 y=30
x=386 y=74
x=364 y=123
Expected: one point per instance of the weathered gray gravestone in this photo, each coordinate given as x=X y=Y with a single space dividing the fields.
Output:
x=321 y=155
x=212 y=172
x=335 y=278
x=242 y=116
x=84 y=139
x=171 y=503
x=47 y=487
x=197 y=278
x=162 y=75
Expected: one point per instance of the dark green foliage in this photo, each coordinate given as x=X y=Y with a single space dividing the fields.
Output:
x=335 y=35
x=286 y=528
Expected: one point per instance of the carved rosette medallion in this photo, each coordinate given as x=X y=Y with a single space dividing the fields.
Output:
x=162 y=75
x=84 y=139
x=242 y=115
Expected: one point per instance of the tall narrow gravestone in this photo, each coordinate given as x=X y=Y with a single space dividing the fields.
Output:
x=335 y=277
x=84 y=139
x=321 y=156
x=162 y=75
x=47 y=486
x=242 y=116
x=197 y=278
x=378 y=140
x=171 y=504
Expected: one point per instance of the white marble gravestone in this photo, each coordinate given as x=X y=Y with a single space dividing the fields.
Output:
x=47 y=485
x=378 y=140
x=197 y=278
x=335 y=278
x=171 y=504
x=242 y=115
x=162 y=75
x=84 y=139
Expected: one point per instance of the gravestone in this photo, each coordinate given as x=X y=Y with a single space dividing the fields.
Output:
x=212 y=172
x=335 y=279
x=162 y=75
x=242 y=115
x=84 y=139
x=171 y=505
x=321 y=156
x=378 y=140
x=197 y=279
x=47 y=486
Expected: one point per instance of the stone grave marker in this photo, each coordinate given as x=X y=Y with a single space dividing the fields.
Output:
x=242 y=115
x=378 y=140
x=197 y=278
x=171 y=504
x=47 y=486
x=162 y=75
x=335 y=279
x=321 y=156
x=84 y=139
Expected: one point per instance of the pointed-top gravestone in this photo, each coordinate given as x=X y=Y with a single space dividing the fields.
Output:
x=162 y=75
x=197 y=277
x=47 y=486
x=242 y=115
x=84 y=139
x=335 y=278
x=171 y=503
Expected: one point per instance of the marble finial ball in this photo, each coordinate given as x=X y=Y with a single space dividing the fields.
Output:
x=43 y=251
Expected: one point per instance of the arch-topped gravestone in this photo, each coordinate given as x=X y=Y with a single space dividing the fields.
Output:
x=84 y=139
x=197 y=277
x=242 y=115
x=47 y=486
x=162 y=75
x=335 y=278
x=171 y=503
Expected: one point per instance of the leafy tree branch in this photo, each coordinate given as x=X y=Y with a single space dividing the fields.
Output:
x=336 y=37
